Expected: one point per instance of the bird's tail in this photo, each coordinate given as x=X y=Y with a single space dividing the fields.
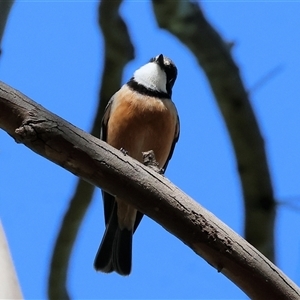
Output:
x=114 y=253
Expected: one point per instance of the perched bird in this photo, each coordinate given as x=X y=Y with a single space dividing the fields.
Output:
x=139 y=117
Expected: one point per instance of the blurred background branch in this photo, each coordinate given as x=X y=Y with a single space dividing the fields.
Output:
x=5 y=6
x=118 y=51
x=187 y=22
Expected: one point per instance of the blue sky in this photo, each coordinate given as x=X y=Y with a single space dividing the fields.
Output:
x=52 y=52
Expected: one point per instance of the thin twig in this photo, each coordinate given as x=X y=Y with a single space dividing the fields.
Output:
x=266 y=78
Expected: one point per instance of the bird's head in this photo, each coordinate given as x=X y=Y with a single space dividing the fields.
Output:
x=159 y=74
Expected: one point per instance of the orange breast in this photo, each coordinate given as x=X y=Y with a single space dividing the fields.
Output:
x=139 y=123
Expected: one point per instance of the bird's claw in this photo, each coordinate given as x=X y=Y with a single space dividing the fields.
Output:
x=125 y=152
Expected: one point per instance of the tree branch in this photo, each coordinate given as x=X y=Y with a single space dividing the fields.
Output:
x=186 y=21
x=151 y=193
x=118 y=52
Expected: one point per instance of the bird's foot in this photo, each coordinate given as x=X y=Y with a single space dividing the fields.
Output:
x=125 y=152
x=161 y=171
x=150 y=161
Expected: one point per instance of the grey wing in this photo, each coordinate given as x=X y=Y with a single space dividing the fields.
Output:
x=176 y=137
x=106 y=115
x=108 y=199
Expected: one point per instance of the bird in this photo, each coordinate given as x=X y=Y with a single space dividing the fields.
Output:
x=139 y=117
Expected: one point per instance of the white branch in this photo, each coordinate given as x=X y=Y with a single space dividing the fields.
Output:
x=9 y=285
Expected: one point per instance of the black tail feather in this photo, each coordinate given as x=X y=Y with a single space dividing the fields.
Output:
x=114 y=253
x=103 y=259
x=122 y=251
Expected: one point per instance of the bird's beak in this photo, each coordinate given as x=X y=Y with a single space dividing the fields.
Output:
x=160 y=60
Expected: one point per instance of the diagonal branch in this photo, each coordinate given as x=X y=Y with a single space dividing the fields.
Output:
x=118 y=51
x=187 y=22
x=151 y=193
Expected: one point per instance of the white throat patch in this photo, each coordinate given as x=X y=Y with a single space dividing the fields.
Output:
x=151 y=76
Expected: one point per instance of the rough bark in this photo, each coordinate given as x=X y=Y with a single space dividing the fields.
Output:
x=151 y=193
x=118 y=51
x=187 y=22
